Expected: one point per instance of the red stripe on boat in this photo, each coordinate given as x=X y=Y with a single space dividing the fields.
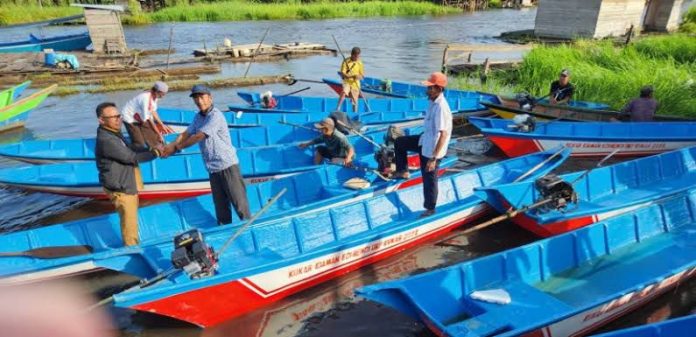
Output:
x=515 y=147
x=213 y=305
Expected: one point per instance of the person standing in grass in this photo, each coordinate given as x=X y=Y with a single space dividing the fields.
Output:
x=352 y=71
x=140 y=116
x=643 y=108
x=562 y=90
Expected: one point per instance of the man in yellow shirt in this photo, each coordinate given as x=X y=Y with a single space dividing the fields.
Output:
x=352 y=71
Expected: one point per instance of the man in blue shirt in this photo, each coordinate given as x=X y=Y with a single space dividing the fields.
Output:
x=209 y=130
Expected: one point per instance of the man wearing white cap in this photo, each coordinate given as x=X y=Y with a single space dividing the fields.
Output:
x=431 y=145
x=336 y=147
x=140 y=117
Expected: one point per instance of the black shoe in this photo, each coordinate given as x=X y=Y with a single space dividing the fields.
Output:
x=427 y=213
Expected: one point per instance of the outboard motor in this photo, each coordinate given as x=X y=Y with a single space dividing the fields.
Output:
x=193 y=255
x=525 y=101
x=524 y=123
x=386 y=155
x=560 y=192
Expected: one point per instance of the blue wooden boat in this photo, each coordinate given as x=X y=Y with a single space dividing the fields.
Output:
x=12 y=94
x=73 y=150
x=57 y=43
x=567 y=285
x=275 y=258
x=325 y=105
x=603 y=193
x=180 y=176
x=588 y=138
x=15 y=109
x=677 y=327
x=408 y=90
x=311 y=191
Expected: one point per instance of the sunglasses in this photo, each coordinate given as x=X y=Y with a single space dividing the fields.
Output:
x=109 y=117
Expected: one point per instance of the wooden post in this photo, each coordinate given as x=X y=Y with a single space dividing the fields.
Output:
x=169 y=50
x=443 y=68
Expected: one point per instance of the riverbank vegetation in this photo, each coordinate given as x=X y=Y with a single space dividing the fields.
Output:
x=603 y=72
x=233 y=10
x=688 y=25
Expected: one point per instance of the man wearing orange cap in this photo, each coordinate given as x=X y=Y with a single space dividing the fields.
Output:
x=431 y=145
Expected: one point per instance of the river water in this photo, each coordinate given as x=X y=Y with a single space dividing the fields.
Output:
x=397 y=48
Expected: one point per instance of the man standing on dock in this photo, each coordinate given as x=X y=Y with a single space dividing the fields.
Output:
x=209 y=129
x=140 y=116
x=431 y=145
x=562 y=90
x=352 y=71
x=119 y=173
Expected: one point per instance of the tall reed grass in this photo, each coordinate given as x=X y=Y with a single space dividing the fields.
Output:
x=604 y=73
x=14 y=14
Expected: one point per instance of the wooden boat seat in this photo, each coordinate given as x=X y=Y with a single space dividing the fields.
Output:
x=528 y=304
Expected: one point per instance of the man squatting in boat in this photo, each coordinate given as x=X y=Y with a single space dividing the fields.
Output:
x=431 y=145
x=209 y=129
x=119 y=174
x=562 y=90
x=336 y=147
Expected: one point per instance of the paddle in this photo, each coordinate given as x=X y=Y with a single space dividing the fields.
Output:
x=295 y=80
x=171 y=271
x=512 y=213
x=51 y=252
x=360 y=94
x=360 y=134
x=295 y=92
x=299 y=126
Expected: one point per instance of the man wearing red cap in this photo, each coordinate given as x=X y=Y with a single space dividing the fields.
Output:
x=432 y=144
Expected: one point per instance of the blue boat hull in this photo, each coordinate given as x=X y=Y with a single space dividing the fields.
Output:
x=307 y=249
x=58 y=43
x=677 y=327
x=589 y=139
x=562 y=286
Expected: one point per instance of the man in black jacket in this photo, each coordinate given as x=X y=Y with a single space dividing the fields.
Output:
x=117 y=162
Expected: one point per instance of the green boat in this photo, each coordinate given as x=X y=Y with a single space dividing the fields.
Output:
x=15 y=110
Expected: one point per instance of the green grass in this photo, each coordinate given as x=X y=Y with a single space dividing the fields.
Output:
x=13 y=14
x=604 y=73
x=243 y=10
x=680 y=47
x=689 y=23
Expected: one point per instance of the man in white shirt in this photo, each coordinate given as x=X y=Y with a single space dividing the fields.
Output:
x=141 y=119
x=431 y=145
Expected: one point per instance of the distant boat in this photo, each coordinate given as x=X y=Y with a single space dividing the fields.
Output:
x=14 y=111
x=57 y=43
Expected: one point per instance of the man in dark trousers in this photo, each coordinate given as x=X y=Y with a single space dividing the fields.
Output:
x=562 y=90
x=119 y=175
x=209 y=130
x=431 y=145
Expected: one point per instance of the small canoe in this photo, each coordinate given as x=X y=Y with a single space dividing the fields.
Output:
x=566 y=285
x=589 y=139
x=577 y=112
x=57 y=43
x=310 y=191
x=603 y=193
x=677 y=327
x=324 y=105
x=14 y=110
x=179 y=176
x=76 y=150
x=277 y=258
x=408 y=90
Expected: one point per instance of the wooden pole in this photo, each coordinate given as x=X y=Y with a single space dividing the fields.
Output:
x=256 y=51
x=169 y=50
